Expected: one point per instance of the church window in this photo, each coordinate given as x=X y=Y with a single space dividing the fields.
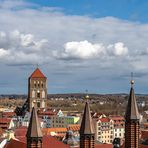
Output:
x=33 y=94
x=38 y=94
x=42 y=84
x=43 y=94
x=38 y=84
x=35 y=84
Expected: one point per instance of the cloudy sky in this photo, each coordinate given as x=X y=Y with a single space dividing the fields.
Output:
x=78 y=45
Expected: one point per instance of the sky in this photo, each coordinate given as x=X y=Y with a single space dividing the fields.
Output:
x=79 y=45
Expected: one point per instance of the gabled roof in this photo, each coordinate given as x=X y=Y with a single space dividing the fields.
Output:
x=34 y=129
x=87 y=124
x=37 y=74
x=132 y=109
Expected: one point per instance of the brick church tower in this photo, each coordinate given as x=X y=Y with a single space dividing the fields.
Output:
x=34 y=133
x=132 y=121
x=87 y=134
x=37 y=90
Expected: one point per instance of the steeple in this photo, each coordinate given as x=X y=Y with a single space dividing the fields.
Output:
x=132 y=121
x=34 y=133
x=87 y=133
x=132 y=109
x=86 y=124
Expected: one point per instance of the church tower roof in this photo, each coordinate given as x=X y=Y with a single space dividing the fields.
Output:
x=34 y=130
x=87 y=124
x=37 y=74
x=132 y=109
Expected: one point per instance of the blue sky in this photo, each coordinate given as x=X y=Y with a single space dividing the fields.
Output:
x=78 y=44
x=135 y=10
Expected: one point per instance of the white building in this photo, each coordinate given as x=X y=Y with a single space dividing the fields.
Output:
x=104 y=130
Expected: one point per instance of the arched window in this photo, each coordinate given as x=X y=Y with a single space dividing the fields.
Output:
x=33 y=94
x=35 y=84
x=38 y=94
x=38 y=84
x=43 y=94
x=42 y=85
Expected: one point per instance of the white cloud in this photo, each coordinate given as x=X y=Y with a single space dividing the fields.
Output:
x=3 y=53
x=118 y=49
x=81 y=50
x=18 y=48
x=87 y=50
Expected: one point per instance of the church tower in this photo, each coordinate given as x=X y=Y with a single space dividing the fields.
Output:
x=34 y=133
x=132 y=121
x=37 y=90
x=87 y=133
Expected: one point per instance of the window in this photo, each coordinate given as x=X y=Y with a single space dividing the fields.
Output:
x=38 y=84
x=38 y=104
x=35 y=84
x=42 y=84
x=33 y=94
x=38 y=94
x=43 y=94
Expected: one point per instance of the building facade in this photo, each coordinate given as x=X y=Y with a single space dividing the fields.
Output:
x=119 y=126
x=37 y=90
x=104 y=130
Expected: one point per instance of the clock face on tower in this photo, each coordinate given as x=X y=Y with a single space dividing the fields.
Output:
x=37 y=90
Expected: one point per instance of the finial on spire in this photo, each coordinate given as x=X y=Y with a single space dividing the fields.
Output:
x=132 y=80
x=86 y=96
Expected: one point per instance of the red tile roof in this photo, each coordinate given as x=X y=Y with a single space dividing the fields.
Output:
x=8 y=114
x=103 y=146
x=48 y=141
x=104 y=120
x=113 y=117
x=20 y=132
x=37 y=74
x=74 y=127
x=15 y=144
x=4 y=120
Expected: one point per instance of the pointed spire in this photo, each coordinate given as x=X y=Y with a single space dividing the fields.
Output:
x=37 y=74
x=87 y=124
x=34 y=130
x=132 y=109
